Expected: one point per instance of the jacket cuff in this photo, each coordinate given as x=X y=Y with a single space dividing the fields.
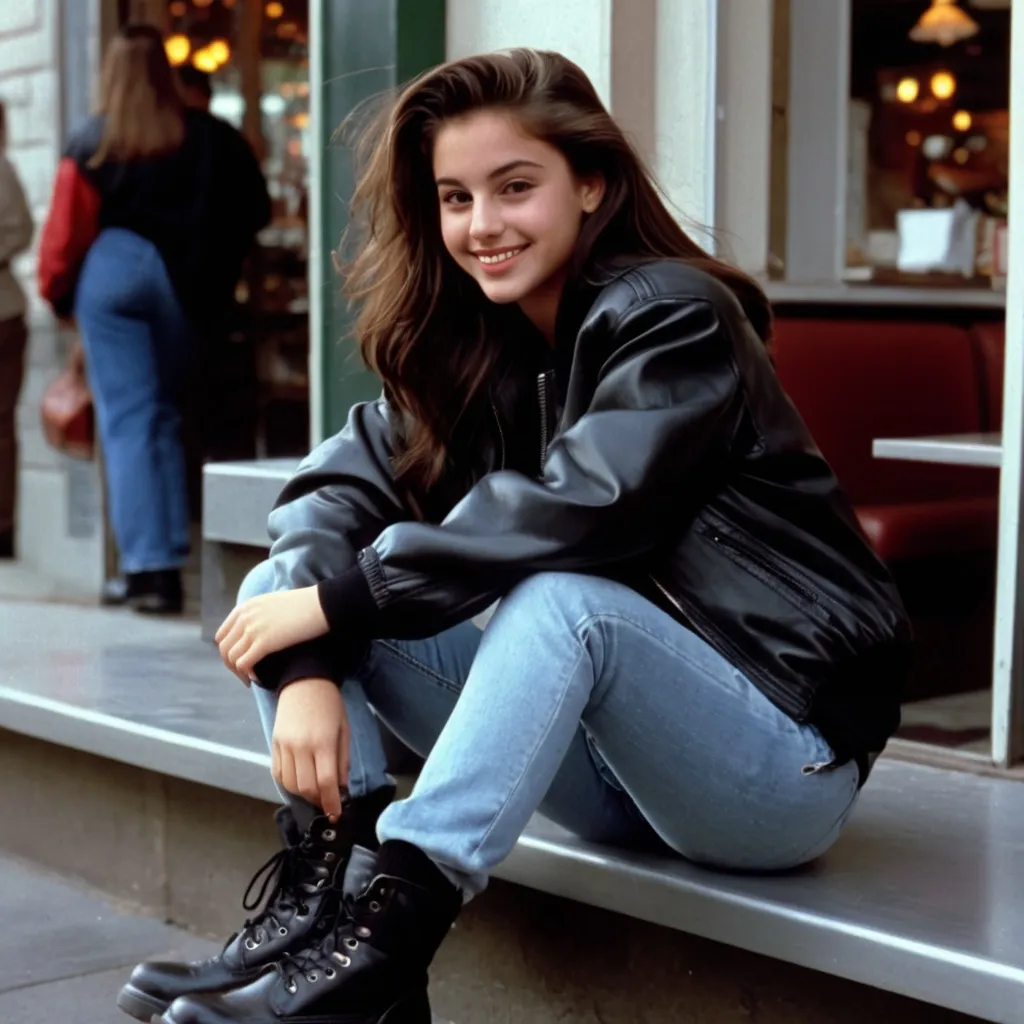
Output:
x=348 y=605
x=314 y=659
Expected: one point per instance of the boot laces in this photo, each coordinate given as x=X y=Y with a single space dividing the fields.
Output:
x=283 y=880
x=333 y=952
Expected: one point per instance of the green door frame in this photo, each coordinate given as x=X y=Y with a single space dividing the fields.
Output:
x=358 y=49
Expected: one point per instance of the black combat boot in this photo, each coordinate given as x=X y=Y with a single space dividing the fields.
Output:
x=396 y=910
x=301 y=908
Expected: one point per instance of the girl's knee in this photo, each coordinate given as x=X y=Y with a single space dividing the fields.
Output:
x=546 y=589
x=561 y=599
x=259 y=580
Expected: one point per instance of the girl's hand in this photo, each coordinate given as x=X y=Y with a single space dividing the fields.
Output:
x=267 y=624
x=310 y=749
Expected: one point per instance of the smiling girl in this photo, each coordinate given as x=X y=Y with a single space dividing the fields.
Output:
x=694 y=652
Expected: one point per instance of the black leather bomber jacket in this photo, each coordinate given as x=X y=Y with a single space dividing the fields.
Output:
x=667 y=456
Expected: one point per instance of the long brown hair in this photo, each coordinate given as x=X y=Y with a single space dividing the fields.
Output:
x=422 y=324
x=139 y=99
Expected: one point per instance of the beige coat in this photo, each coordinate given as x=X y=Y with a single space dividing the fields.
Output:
x=16 y=230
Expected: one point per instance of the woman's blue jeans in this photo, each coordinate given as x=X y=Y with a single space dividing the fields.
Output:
x=584 y=701
x=140 y=350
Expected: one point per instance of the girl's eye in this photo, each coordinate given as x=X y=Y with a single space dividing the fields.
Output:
x=518 y=187
x=456 y=198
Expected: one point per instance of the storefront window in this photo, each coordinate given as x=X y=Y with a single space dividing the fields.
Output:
x=927 y=148
x=256 y=55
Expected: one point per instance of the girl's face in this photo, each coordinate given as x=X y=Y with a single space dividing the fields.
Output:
x=511 y=210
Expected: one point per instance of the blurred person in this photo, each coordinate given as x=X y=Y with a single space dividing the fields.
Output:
x=196 y=87
x=154 y=208
x=696 y=651
x=16 y=230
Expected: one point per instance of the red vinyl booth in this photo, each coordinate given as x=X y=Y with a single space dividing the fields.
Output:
x=857 y=380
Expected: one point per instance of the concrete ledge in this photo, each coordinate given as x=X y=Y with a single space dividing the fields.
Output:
x=158 y=750
x=921 y=897
x=237 y=500
x=238 y=497
x=186 y=852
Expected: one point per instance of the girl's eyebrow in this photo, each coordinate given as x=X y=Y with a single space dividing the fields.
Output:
x=512 y=165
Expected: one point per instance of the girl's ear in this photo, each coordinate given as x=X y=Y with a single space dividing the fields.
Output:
x=592 y=192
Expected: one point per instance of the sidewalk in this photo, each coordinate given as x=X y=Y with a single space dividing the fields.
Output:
x=65 y=950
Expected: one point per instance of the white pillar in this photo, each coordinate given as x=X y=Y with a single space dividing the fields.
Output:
x=1008 y=675
x=578 y=29
x=819 y=87
x=651 y=61
x=744 y=115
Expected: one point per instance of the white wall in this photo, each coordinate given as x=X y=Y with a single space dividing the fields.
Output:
x=579 y=29
x=651 y=61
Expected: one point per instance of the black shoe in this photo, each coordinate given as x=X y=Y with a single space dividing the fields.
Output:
x=301 y=907
x=6 y=544
x=372 y=969
x=155 y=593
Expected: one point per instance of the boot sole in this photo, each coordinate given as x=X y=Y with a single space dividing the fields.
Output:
x=414 y=1010
x=139 y=1004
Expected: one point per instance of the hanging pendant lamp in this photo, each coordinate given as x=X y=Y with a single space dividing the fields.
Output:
x=944 y=23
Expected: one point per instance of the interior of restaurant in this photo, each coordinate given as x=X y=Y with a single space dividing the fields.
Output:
x=911 y=341
x=928 y=143
x=256 y=387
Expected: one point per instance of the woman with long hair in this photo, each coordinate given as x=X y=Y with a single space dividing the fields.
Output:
x=16 y=230
x=175 y=197
x=694 y=651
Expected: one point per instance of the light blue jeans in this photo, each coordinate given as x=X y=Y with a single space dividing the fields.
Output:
x=140 y=350
x=584 y=701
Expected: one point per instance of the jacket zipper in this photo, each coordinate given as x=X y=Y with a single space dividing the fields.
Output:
x=501 y=433
x=542 y=396
x=774 y=572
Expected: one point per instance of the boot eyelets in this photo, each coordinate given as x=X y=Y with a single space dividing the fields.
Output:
x=291 y=988
x=374 y=906
x=250 y=945
x=282 y=931
x=328 y=858
x=363 y=932
x=330 y=974
x=342 y=959
x=352 y=943
x=312 y=977
x=329 y=835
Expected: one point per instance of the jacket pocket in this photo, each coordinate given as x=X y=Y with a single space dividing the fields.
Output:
x=765 y=566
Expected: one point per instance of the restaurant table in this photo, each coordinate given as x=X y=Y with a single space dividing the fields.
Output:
x=951 y=449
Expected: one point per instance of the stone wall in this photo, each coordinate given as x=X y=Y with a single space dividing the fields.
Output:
x=60 y=525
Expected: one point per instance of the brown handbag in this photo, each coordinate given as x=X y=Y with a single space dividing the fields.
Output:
x=67 y=413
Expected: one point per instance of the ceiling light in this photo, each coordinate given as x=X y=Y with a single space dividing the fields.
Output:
x=944 y=23
x=177 y=48
x=907 y=90
x=943 y=85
